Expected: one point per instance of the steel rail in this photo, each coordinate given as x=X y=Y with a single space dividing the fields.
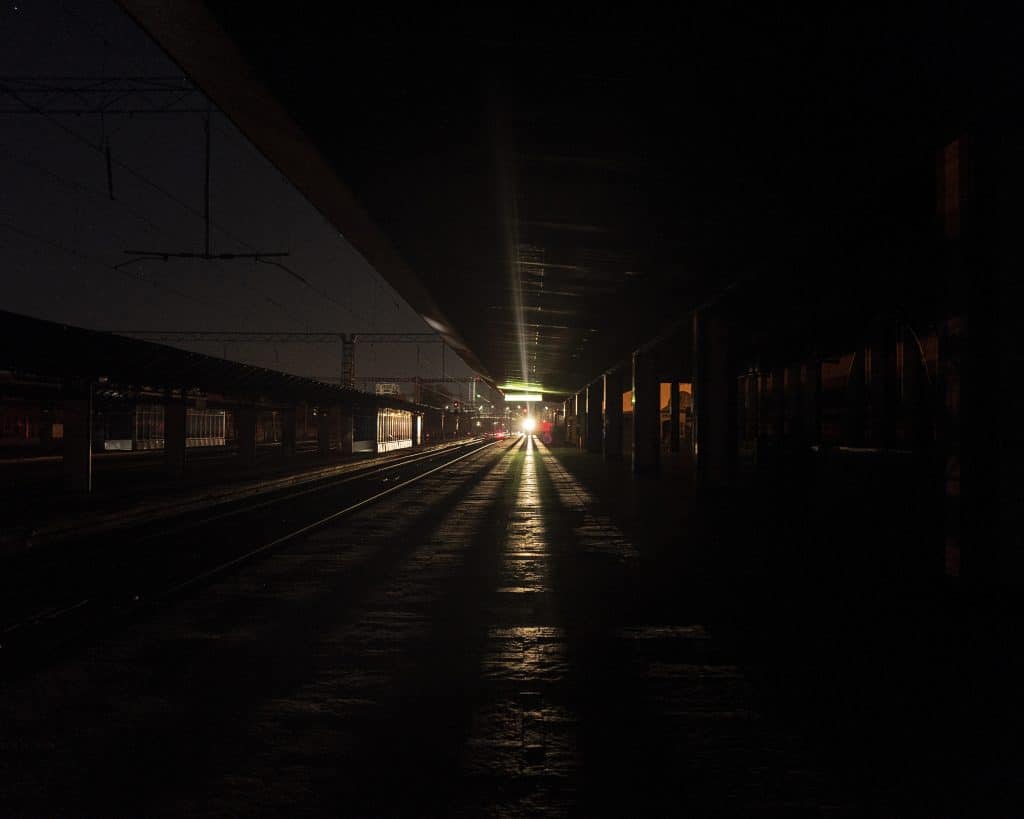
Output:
x=283 y=539
x=275 y=496
x=140 y=604
x=257 y=503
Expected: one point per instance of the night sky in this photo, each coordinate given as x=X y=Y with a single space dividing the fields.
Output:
x=61 y=233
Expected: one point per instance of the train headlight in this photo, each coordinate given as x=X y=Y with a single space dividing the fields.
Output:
x=529 y=425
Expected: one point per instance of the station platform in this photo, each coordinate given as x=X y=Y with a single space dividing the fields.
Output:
x=530 y=632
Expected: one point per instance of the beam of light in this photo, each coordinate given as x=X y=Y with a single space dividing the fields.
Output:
x=510 y=216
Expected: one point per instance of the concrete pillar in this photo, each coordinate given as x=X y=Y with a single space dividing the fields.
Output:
x=779 y=398
x=46 y=427
x=323 y=430
x=580 y=400
x=346 y=430
x=595 y=393
x=853 y=416
x=714 y=386
x=579 y=420
x=673 y=425
x=883 y=385
x=78 y=412
x=613 y=415
x=175 y=434
x=646 y=414
x=793 y=400
x=288 y=432
x=810 y=402
x=245 y=430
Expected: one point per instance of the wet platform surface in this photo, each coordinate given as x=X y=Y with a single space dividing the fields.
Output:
x=489 y=642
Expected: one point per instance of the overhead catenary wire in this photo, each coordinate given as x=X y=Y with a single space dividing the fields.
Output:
x=57 y=245
x=74 y=185
x=140 y=178
x=125 y=167
x=299 y=277
x=132 y=58
x=107 y=42
x=180 y=202
x=84 y=189
x=173 y=88
x=279 y=305
x=264 y=258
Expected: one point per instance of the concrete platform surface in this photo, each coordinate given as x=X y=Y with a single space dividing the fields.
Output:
x=490 y=642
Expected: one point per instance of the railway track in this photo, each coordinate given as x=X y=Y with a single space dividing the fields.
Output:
x=63 y=595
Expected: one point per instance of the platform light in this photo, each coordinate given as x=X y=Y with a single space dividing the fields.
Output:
x=525 y=396
x=522 y=386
